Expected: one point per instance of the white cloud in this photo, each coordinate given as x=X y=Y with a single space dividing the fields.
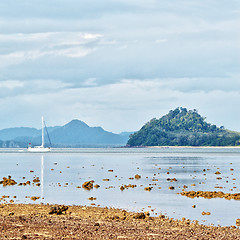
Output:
x=76 y=52
x=11 y=84
x=46 y=84
x=48 y=44
x=10 y=89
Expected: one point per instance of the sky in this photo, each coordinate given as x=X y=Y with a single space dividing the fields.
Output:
x=118 y=63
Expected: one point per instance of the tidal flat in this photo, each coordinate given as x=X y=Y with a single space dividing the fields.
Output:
x=154 y=180
x=30 y=221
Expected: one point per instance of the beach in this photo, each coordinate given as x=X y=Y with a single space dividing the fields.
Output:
x=38 y=221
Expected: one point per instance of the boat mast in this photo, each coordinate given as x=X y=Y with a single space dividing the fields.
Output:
x=42 y=132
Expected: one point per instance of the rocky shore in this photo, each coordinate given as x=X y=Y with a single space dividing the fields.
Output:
x=211 y=194
x=37 y=221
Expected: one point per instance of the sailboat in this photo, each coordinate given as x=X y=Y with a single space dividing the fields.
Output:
x=39 y=148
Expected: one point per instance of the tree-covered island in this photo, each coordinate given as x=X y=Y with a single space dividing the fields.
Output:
x=181 y=127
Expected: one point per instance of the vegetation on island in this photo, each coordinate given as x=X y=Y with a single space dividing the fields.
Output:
x=181 y=127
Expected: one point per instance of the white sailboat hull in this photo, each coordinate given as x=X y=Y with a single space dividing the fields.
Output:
x=39 y=149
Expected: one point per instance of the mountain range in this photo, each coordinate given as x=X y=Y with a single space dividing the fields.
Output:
x=74 y=134
x=180 y=127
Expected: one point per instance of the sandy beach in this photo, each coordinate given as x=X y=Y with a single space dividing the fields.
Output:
x=36 y=221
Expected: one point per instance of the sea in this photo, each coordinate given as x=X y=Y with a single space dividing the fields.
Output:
x=62 y=172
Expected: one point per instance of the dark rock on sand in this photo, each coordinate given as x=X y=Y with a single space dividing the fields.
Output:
x=58 y=210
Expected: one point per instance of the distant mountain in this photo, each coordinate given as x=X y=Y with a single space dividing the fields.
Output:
x=12 y=133
x=74 y=134
x=77 y=132
x=21 y=132
x=181 y=127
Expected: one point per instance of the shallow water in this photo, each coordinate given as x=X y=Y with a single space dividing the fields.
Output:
x=63 y=170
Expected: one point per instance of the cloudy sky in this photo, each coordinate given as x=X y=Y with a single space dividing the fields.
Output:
x=118 y=63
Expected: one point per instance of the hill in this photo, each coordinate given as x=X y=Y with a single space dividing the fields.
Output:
x=19 y=133
x=181 y=127
x=12 y=133
x=74 y=134
x=77 y=132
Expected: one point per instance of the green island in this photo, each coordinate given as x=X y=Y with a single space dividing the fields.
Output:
x=182 y=127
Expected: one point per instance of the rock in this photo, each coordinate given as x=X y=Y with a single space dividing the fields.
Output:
x=139 y=216
x=238 y=222
x=206 y=213
x=147 y=213
x=137 y=176
x=88 y=185
x=36 y=180
x=211 y=194
x=8 y=181
x=128 y=186
x=172 y=180
x=148 y=188
x=92 y=198
x=34 y=198
x=58 y=210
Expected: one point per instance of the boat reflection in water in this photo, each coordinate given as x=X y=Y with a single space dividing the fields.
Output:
x=42 y=175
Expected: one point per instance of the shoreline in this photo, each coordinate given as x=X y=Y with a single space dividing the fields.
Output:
x=44 y=221
x=203 y=147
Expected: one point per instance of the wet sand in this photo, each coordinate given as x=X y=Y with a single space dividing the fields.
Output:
x=36 y=221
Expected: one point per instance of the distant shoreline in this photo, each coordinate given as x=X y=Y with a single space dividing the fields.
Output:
x=213 y=147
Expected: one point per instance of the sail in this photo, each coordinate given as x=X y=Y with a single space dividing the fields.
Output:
x=42 y=132
x=40 y=148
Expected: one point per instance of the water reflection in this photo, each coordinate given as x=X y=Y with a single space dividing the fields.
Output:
x=42 y=176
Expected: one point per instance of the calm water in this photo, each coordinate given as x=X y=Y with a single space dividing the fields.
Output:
x=63 y=170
